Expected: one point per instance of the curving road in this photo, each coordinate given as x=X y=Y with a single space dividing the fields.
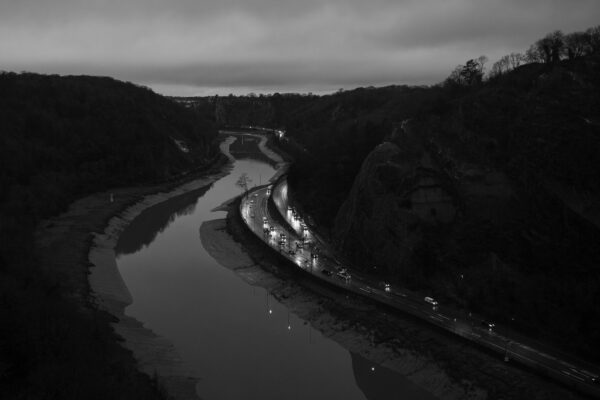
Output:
x=255 y=212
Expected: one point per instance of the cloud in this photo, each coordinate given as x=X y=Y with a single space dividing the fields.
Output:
x=273 y=43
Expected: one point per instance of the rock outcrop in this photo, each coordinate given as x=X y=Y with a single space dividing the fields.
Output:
x=407 y=190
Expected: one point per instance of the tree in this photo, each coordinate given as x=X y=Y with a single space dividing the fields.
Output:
x=593 y=39
x=243 y=182
x=533 y=54
x=472 y=72
x=500 y=67
x=576 y=44
x=515 y=60
x=551 y=47
x=455 y=77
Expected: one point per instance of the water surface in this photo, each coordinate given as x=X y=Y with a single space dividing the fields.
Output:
x=242 y=342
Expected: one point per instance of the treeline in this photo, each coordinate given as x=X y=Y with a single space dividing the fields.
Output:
x=62 y=138
x=539 y=123
x=550 y=49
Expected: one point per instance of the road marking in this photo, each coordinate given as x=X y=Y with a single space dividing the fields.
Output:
x=573 y=376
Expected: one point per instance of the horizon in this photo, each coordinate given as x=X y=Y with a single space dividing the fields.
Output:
x=185 y=48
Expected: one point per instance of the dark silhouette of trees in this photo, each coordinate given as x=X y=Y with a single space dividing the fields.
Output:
x=551 y=47
x=501 y=66
x=62 y=138
x=592 y=36
x=534 y=55
x=576 y=44
x=515 y=60
x=470 y=74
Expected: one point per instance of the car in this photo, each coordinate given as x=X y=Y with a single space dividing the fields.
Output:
x=326 y=272
x=314 y=256
x=272 y=229
x=431 y=301
x=488 y=325
x=387 y=287
x=264 y=219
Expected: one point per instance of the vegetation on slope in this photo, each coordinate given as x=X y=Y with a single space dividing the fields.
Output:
x=62 y=138
x=534 y=119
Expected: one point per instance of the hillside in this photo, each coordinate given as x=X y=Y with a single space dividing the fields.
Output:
x=62 y=138
x=485 y=195
x=338 y=131
x=491 y=202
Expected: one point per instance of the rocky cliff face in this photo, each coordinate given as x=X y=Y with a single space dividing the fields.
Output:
x=407 y=191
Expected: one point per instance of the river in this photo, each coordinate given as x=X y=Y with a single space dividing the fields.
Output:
x=240 y=341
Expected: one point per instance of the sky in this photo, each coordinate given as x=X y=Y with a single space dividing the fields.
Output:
x=207 y=47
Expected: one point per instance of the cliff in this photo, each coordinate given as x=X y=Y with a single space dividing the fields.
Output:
x=491 y=201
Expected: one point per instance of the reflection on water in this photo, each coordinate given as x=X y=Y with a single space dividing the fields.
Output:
x=154 y=220
x=380 y=383
x=242 y=343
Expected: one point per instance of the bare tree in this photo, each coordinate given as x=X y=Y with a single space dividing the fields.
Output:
x=593 y=39
x=576 y=44
x=243 y=182
x=551 y=46
x=455 y=77
x=501 y=66
x=496 y=69
x=515 y=60
x=533 y=54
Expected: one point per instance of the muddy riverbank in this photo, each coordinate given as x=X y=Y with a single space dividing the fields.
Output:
x=77 y=247
x=447 y=366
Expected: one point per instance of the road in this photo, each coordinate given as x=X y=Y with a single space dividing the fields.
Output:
x=255 y=212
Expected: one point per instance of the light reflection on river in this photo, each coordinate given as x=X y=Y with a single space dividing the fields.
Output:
x=242 y=343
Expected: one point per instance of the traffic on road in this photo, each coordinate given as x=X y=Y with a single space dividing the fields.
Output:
x=289 y=234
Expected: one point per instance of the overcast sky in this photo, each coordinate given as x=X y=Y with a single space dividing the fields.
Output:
x=238 y=46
